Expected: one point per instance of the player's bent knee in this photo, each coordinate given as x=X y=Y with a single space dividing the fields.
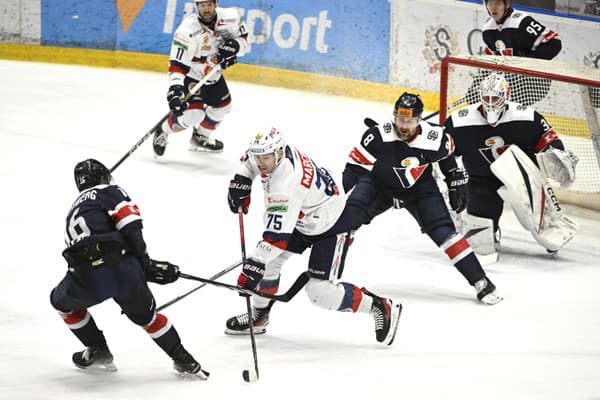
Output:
x=324 y=294
x=218 y=113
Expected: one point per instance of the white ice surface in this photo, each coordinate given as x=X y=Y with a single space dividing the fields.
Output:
x=542 y=342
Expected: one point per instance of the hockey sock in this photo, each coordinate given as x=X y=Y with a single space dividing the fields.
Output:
x=82 y=324
x=163 y=333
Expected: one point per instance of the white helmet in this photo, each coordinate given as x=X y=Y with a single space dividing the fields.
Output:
x=494 y=93
x=267 y=143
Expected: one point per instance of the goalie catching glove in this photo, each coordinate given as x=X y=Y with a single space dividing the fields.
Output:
x=228 y=53
x=161 y=272
x=252 y=273
x=175 y=98
x=558 y=165
x=457 y=179
x=239 y=194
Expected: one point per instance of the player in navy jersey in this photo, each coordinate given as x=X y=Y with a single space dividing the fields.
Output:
x=509 y=32
x=392 y=165
x=107 y=258
x=483 y=132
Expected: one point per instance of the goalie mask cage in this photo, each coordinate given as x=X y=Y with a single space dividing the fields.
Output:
x=568 y=96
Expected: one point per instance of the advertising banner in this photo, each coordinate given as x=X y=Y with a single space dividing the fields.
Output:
x=328 y=37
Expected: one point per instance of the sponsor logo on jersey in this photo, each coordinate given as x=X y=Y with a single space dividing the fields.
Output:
x=278 y=208
x=308 y=170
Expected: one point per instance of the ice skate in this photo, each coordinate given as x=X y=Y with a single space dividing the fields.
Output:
x=386 y=314
x=240 y=325
x=200 y=142
x=184 y=363
x=159 y=143
x=97 y=357
x=486 y=292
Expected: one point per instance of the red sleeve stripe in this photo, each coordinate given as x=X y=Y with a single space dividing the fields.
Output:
x=457 y=248
x=545 y=141
x=76 y=319
x=158 y=326
x=359 y=155
x=549 y=36
x=124 y=213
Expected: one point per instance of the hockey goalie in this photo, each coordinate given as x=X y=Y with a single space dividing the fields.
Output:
x=500 y=142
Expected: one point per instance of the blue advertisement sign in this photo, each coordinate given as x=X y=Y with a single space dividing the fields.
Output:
x=328 y=37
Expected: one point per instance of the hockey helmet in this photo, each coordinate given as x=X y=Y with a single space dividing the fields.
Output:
x=408 y=105
x=494 y=93
x=89 y=173
x=267 y=143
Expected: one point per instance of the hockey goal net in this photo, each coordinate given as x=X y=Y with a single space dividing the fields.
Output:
x=567 y=95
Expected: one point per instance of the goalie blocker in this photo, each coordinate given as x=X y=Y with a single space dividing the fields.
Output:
x=532 y=199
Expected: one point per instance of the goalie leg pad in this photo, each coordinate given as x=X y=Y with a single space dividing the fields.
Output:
x=532 y=199
x=479 y=232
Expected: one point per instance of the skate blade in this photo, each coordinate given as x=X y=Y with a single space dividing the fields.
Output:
x=258 y=330
x=396 y=311
x=198 y=376
x=491 y=299
x=109 y=367
x=203 y=150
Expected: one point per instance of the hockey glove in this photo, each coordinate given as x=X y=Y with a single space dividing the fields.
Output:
x=457 y=179
x=252 y=273
x=239 y=194
x=228 y=52
x=161 y=272
x=175 y=98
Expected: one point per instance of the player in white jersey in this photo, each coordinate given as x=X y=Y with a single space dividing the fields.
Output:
x=303 y=208
x=212 y=38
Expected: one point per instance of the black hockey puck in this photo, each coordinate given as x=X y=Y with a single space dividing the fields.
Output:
x=249 y=376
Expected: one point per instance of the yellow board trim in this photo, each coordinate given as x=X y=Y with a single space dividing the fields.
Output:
x=241 y=72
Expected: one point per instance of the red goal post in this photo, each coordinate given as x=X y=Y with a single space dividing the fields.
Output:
x=567 y=95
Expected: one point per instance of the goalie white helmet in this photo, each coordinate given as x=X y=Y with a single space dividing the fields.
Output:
x=494 y=93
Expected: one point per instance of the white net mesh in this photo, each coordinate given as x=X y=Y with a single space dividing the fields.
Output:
x=568 y=96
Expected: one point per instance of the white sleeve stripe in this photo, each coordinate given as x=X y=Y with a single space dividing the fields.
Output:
x=128 y=220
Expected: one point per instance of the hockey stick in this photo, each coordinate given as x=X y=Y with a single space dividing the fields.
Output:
x=246 y=374
x=192 y=92
x=302 y=280
x=215 y=276
x=456 y=103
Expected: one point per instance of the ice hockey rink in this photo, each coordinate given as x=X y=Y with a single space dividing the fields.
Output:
x=542 y=342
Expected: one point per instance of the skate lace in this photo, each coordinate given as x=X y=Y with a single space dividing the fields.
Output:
x=379 y=317
x=161 y=140
x=243 y=319
x=86 y=355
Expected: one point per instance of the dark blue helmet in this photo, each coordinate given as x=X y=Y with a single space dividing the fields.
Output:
x=408 y=105
x=90 y=173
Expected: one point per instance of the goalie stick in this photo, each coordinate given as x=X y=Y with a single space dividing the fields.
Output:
x=302 y=280
x=192 y=92
x=186 y=294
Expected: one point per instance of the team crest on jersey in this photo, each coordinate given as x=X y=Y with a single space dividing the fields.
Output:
x=410 y=172
x=440 y=42
x=495 y=146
